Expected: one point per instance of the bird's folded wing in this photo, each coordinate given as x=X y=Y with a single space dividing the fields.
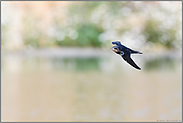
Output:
x=130 y=61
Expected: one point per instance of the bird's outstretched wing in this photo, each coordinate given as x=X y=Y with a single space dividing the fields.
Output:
x=128 y=59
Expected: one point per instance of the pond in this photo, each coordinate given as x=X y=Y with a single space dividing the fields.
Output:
x=91 y=88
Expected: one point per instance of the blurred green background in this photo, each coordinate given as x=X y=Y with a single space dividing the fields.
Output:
x=57 y=62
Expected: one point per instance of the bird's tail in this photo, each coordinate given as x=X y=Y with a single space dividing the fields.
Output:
x=136 y=52
x=140 y=53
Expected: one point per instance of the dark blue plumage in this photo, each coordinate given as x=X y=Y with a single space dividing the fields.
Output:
x=125 y=53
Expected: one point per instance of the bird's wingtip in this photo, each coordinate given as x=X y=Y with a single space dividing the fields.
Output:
x=139 y=68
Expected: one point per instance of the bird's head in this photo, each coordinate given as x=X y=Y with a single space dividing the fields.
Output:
x=116 y=42
x=115 y=49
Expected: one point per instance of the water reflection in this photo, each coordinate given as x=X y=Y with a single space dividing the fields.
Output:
x=90 y=89
x=89 y=64
x=161 y=63
x=75 y=64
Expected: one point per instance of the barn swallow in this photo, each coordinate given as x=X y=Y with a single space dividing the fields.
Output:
x=125 y=53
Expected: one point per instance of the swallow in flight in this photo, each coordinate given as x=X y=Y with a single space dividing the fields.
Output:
x=125 y=53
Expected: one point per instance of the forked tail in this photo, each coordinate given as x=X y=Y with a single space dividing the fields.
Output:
x=132 y=51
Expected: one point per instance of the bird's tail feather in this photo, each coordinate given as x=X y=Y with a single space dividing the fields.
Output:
x=136 y=52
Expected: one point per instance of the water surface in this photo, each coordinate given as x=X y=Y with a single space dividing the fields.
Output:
x=90 y=89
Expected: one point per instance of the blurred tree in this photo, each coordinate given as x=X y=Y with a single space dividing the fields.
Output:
x=95 y=23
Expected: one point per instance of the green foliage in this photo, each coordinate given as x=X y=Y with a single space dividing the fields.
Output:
x=95 y=23
x=89 y=32
x=154 y=34
x=87 y=36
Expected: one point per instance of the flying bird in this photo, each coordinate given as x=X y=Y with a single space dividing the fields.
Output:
x=125 y=53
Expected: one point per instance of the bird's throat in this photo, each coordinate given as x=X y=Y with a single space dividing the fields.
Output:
x=114 y=50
